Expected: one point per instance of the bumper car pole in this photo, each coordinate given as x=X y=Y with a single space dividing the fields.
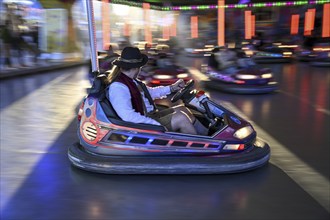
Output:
x=92 y=36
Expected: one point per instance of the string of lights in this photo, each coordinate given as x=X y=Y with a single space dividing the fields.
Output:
x=212 y=7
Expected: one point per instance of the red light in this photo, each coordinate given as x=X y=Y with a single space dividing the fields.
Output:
x=155 y=81
x=241 y=147
x=200 y=93
x=80 y=112
x=240 y=82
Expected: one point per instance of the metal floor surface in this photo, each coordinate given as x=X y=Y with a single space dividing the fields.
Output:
x=38 y=123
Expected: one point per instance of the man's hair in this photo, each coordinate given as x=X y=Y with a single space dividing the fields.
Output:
x=114 y=73
x=126 y=69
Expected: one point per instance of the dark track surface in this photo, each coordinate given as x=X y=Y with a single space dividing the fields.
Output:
x=38 y=182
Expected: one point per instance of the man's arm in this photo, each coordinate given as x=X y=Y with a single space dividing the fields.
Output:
x=120 y=99
x=160 y=92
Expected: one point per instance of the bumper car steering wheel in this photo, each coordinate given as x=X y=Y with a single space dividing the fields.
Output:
x=183 y=91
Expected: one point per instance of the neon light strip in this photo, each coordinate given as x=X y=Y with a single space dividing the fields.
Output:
x=147 y=31
x=309 y=21
x=194 y=26
x=221 y=23
x=248 y=25
x=294 y=24
x=326 y=21
x=105 y=24
x=250 y=5
x=173 y=28
x=127 y=29
x=134 y=4
x=166 y=32
x=207 y=7
x=253 y=25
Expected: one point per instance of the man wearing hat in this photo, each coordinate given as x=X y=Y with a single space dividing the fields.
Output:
x=133 y=100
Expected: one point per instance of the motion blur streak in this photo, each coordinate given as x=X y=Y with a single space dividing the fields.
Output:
x=305 y=176
x=39 y=125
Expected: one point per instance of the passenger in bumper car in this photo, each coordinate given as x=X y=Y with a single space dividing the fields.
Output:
x=133 y=101
x=230 y=61
x=224 y=60
x=106 y=64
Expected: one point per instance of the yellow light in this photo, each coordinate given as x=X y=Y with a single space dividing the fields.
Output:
x=266 y=75
x=321 y=49
x=163 y=77
x=239 y=76
x=287 y=53
x=243 y=132
x=288 y=46
x=182 y=75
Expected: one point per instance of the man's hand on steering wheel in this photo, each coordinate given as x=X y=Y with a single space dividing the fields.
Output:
x=183 y=91
x=177 y=85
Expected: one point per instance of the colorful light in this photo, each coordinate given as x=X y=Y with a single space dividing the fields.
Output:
x=127 y=30
x=147 y=32
x=250 y=5
x=248 y=26
x=208 y=7
x=253 y=25
x=294 y=24
x=194 y=26
x=326 y=21
x=105 y=24
x=221 y=23
x=166 y=32
x=173 y=27
x=309 y=21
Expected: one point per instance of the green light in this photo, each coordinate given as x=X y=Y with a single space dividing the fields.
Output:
x=214 y=7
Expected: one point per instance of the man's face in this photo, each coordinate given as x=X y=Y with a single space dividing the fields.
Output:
x=137 y=71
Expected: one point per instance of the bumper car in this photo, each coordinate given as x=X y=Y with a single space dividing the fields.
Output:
x=199 y=52
x=240 y=81
x=112 y=146
x=269 y=54
x=322 y=59
x=197 y=48
x=319 y=55
x=305 y=55
x=237 y=74
x=165 y=76
x=162 y=71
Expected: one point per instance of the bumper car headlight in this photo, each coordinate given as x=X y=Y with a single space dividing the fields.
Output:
x=287 y=54
x=182 y=75
x=243 y=132
x=162 y=77
x=266 y=75
x=239 y=76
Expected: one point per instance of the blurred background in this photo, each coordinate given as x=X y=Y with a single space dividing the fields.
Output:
x=55 y=30
x=45 y=73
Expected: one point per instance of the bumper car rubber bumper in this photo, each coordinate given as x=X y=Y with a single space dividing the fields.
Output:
x=239 y=89
x=216 y=164
x=272 y=60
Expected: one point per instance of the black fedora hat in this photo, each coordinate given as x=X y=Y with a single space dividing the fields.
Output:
x=131 y=57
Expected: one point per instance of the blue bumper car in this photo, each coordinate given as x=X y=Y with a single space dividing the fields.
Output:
x=107 y=144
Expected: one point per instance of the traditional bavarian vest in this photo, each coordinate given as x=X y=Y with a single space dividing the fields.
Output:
x=136 y=99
